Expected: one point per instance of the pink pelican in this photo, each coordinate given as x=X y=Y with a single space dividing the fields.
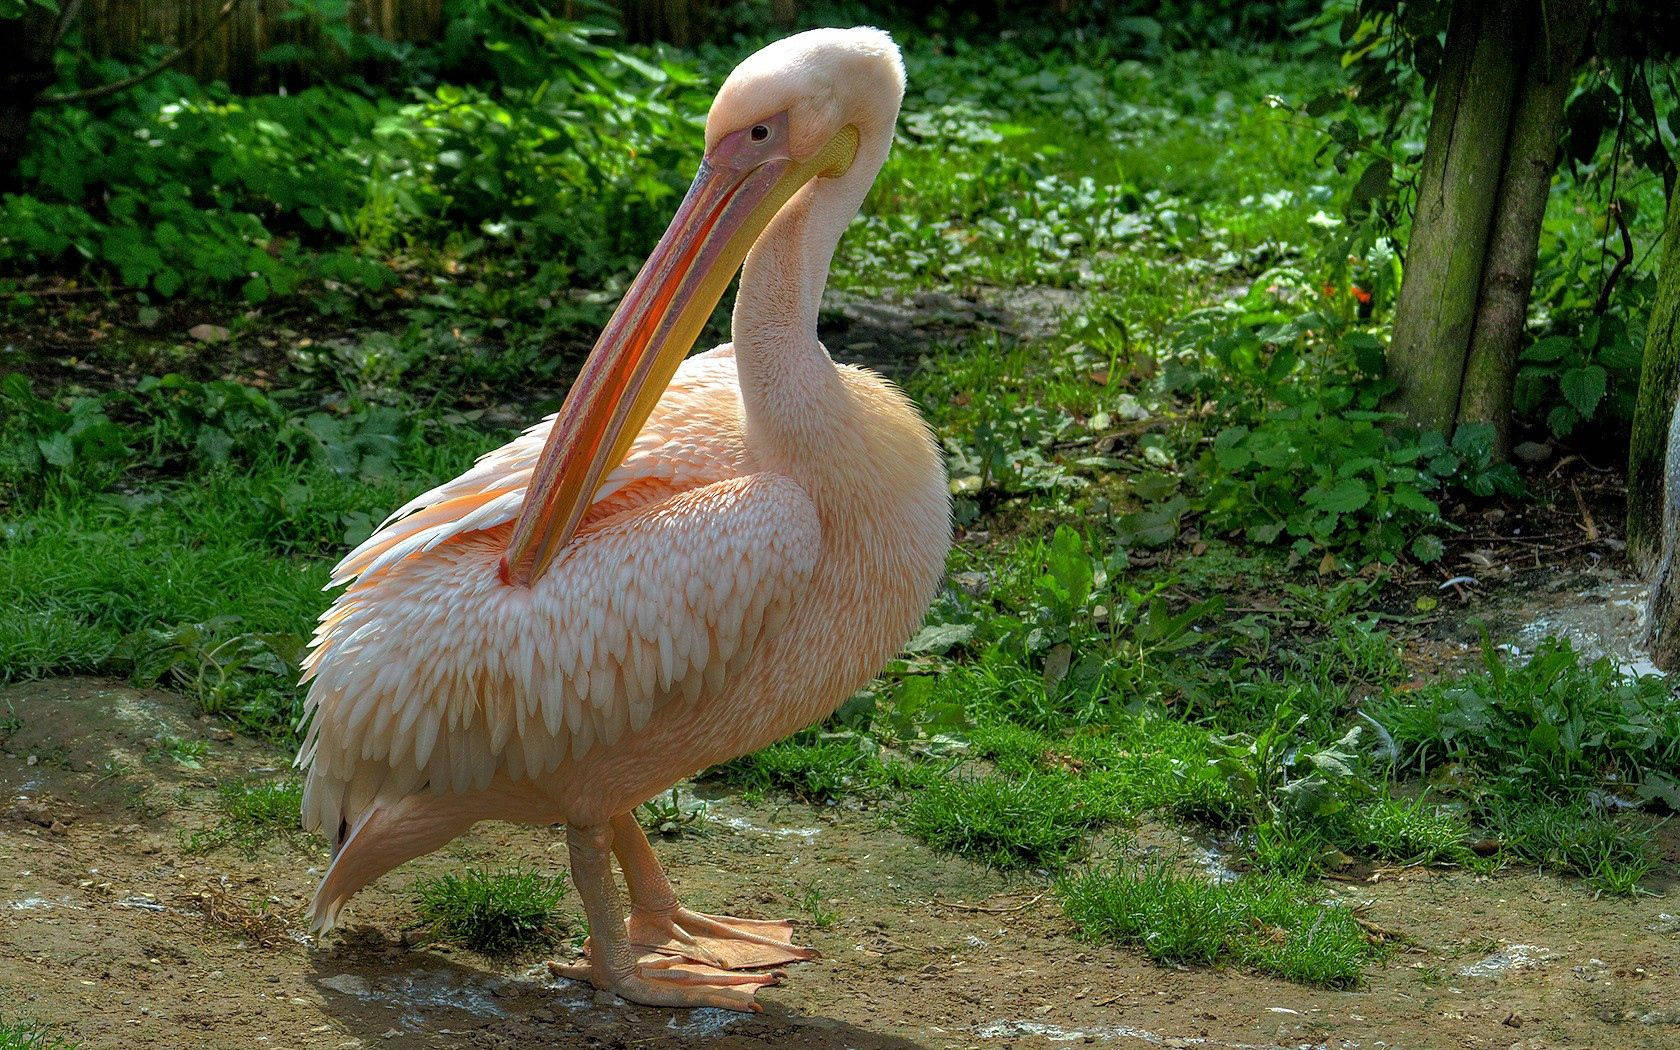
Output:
x=690 y=560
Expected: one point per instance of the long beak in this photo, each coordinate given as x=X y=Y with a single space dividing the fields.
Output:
x=654 y=327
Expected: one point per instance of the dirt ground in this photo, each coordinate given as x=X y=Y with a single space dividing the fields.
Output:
x=111 y=928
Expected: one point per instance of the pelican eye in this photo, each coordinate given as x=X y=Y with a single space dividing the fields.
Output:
x=760 y=133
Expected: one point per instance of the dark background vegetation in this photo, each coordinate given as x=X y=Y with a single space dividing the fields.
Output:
x=1239 y=428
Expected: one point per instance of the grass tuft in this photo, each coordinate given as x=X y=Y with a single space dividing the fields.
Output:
x=31 y=1035
x=1612 y=855
x=494 y=913
x=1033 y=821
x=252 y=814
x=811 y=768
x=1409 y=831
x=1274 y=926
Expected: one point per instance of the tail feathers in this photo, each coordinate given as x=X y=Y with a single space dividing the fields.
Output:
x=388 y=833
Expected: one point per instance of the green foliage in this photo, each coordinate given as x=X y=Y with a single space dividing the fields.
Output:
x=1587 y=372
x=1282 y=779
x=1312 y=463
x=162 y=551
x=494 y=913
x=1405 y=831
x=180 y=426
x=77 y=443
x=1273 y=926
x=1321 y=476
x=1551 y=727
x=668 y=816
x=188 y=754
x=555 y=182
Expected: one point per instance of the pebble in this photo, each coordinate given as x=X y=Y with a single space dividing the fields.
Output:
x=345 y=983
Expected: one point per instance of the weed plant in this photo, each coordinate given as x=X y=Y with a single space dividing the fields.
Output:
x=494 y=913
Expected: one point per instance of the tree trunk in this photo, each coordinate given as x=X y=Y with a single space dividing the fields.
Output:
x=1663 y=621
x=1649 y=451
x=35 y=36
x=652 y=21
x=1462 y=161
x=1508 y=269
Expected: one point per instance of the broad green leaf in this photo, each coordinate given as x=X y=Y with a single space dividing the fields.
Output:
x=1427 y=548
x=940 y=637
x=1584 y=388
x=1344 y=497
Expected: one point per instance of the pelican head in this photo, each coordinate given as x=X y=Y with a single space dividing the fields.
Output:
x=790 y=114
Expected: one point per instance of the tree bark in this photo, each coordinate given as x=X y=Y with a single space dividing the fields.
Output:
x=1462 y=162
x=22 y=80
x=1501 y=317
x=1649 y=451
x=1663 y=619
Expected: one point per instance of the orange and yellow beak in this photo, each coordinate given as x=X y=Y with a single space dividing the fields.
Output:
x=737 y=192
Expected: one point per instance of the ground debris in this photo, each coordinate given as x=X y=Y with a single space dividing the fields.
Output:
x=263 y=928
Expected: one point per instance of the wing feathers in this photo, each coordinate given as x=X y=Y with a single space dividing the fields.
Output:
x=438 y=673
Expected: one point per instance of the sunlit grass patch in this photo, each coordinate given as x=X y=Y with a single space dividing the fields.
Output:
x=1034 y=821
x=1275 y=926
x=252 y=814
x=495 y=913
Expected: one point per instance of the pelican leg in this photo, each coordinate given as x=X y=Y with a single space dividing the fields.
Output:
x=658 y=923
x=614 y=965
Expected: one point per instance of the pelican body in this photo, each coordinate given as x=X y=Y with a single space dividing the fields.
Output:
x=690 y=560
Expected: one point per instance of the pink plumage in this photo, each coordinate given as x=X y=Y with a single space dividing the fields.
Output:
x=654 y=580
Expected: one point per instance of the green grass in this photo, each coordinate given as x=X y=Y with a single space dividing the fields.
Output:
x=1030 y=822
x=251 y=815
x=31 y=1035
x=494 y=913
x=1408 y=831
x=808 y=767
x=1612 y=855
x=210 y=584
x=1556 y=725
x=1273 y=926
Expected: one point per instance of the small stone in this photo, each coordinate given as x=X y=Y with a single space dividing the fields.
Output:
x=344 y=983
x=209 y=333
x=973 y=584
x=33 y=812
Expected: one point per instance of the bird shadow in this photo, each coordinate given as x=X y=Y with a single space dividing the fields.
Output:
x=390 y=996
